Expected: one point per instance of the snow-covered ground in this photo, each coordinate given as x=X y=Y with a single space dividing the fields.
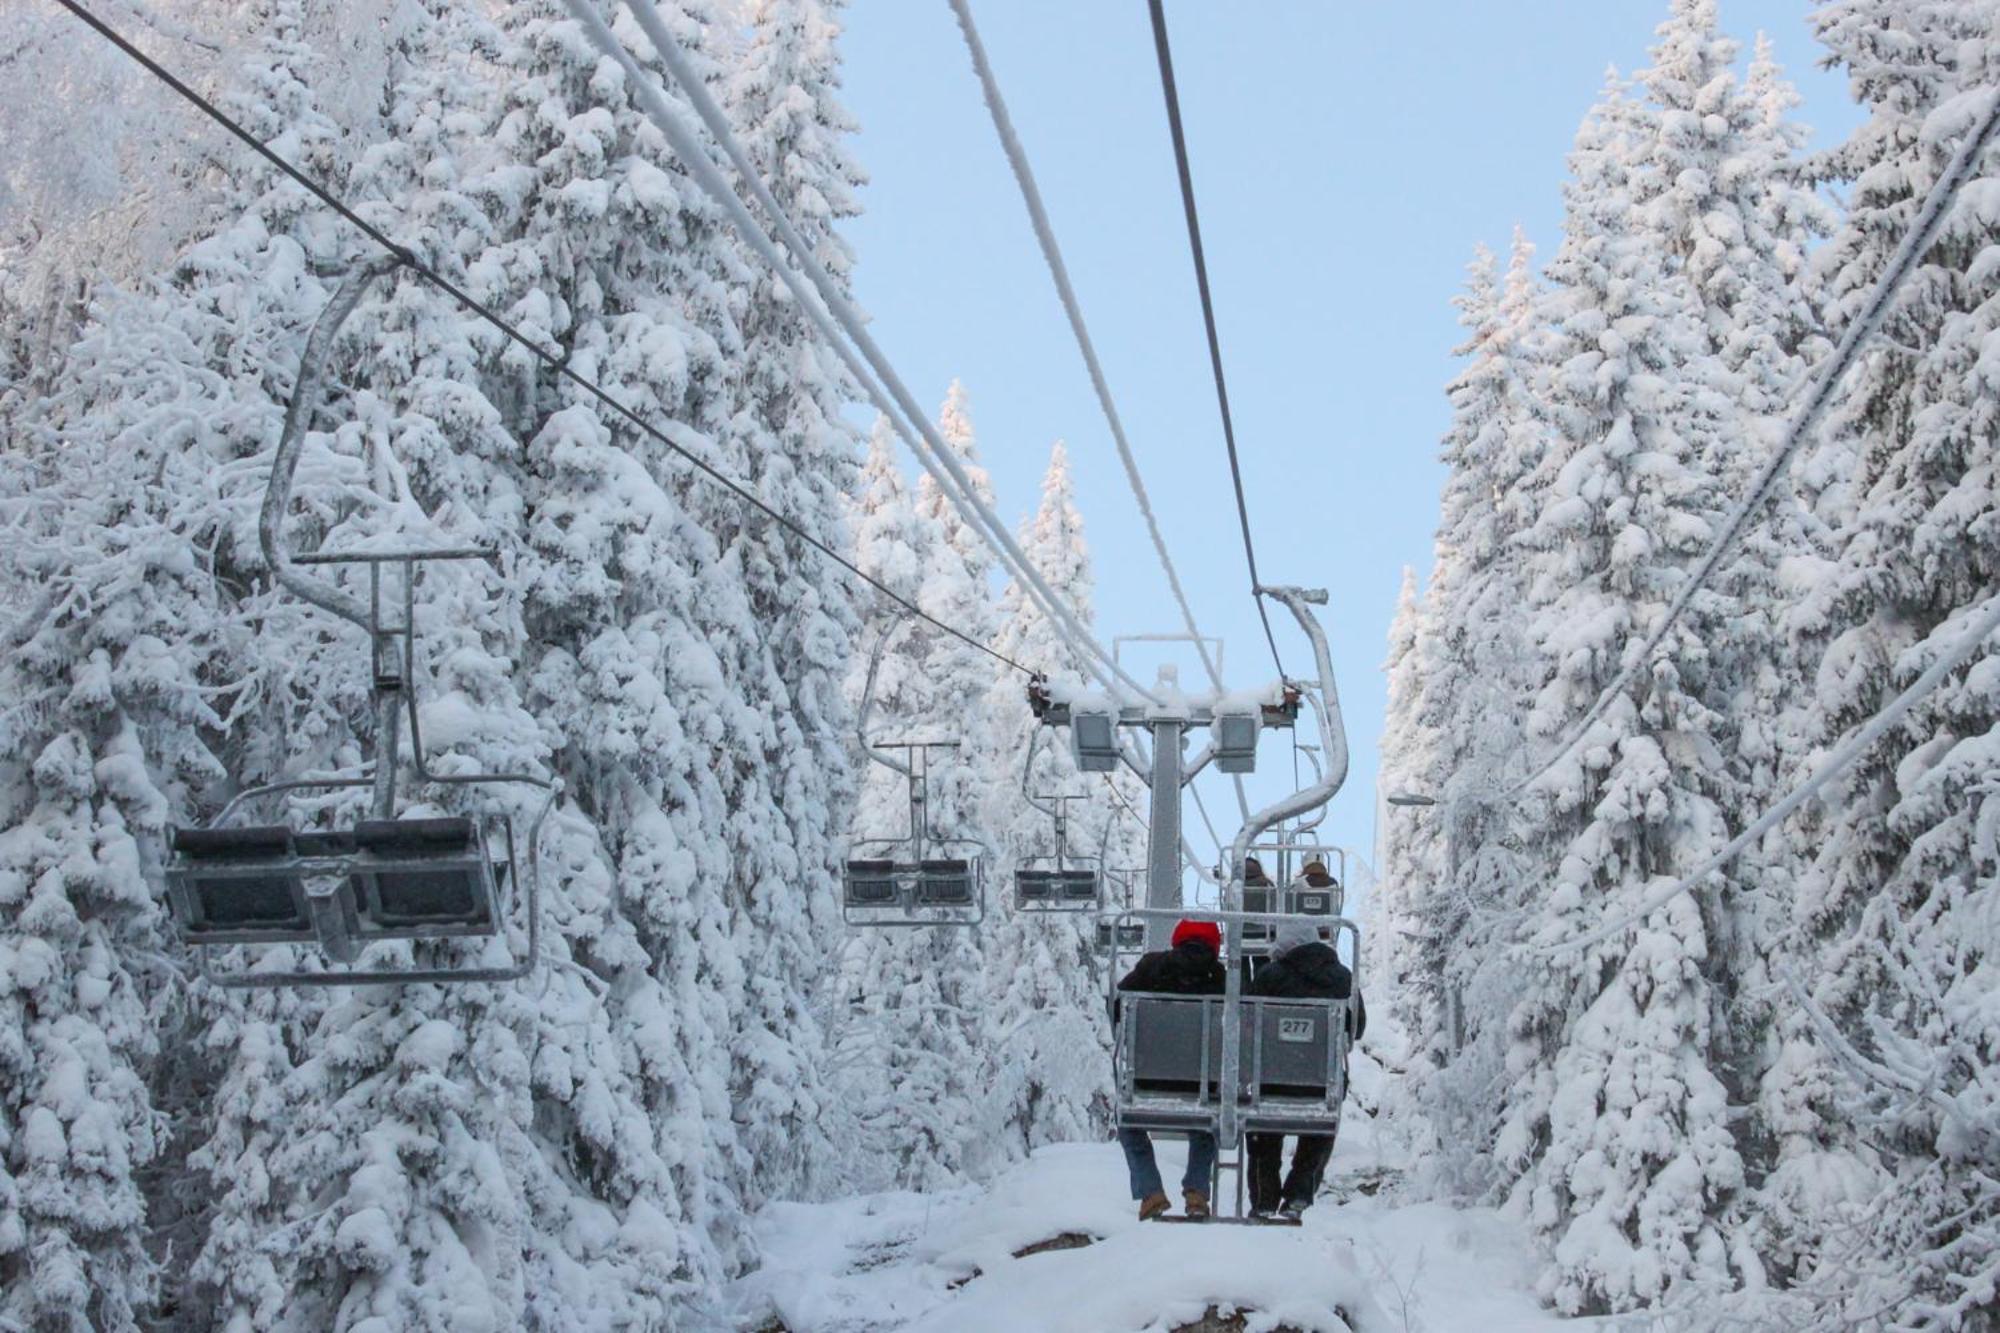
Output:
x=946 y=1261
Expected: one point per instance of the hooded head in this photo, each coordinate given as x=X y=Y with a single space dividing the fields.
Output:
x=1253 y=871
x=1291 y=934
x=1315 y=868
x=1205 y=933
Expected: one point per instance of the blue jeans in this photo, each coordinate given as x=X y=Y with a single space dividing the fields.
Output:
x=1138 y=1146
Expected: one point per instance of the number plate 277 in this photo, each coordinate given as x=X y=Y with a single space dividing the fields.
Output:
x=1295 y=1029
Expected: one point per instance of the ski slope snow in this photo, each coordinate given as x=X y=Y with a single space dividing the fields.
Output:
x=932 y=1263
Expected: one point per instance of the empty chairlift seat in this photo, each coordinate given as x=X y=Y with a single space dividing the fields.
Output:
x=238 y=885
x=1034 y=888
x=1124 y=936
x=871 y=883
x=421 y=878
x=1077 y=886
x=944 y=882
x=1048 y=889
x=383 y=879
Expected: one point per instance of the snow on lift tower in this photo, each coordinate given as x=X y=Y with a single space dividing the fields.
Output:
x=918 y=878
x=1227 y=1064
x=1057 y=880
x=377 y=878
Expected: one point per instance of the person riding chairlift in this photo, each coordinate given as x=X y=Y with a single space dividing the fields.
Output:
x=1254 y=878
x=1193 y=966
x=1300 y=967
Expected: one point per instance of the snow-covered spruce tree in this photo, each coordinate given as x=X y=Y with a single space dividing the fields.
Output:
x=1407 y=984
x=1739 y=217
x=395 y=1152
x=1461 y=681
x=788 y=436
x=144 y=652
x=909 y=1056
x=1897 y=908
x=1048 y=1066
x=1614 y=1129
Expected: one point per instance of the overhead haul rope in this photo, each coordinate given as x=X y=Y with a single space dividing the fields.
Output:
x=555 y=362
x=1031 y=195
x=1819 y=396
x=1166 y=61
x=830 y=303
x=1045 y=236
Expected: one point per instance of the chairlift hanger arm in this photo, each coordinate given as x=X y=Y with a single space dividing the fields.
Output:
x=1028 y=772
x=307 y=389
x=868 y=701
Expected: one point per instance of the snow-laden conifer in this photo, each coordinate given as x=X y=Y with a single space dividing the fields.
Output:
x=1897 y=905
x=908 y=1058
x=1615 y=1126
x=787 y=815
x=1044 y=1045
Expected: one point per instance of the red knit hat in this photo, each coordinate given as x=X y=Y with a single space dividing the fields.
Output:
x=1207 y=932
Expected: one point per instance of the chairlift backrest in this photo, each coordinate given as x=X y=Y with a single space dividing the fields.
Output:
x=238 y=885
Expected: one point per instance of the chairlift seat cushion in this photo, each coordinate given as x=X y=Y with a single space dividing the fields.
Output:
x=260 y=902
x=1294 y=1060
x=324 y=842
x=414 y=836
x=234 y=881
x=1168 y=1040
x=944 y=882
x=422 y=872
x=1079 y=885
x=870 y=883
x=1034 y=885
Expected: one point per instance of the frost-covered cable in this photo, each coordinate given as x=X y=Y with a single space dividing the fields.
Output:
x=1836 y=763
x=1819 y=396
x=831 y=301
x=555 y=361
x=1045 y=236
x=1031 y=196
x=1167 y=87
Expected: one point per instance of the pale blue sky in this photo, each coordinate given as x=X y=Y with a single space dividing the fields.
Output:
x=1347 y=156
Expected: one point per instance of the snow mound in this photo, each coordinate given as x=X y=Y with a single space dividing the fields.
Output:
x=928 y=1263
x=948 y=1261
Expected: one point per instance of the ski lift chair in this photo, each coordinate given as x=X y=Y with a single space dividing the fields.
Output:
x=233 y=885
x=1168 y=1057
x=1114 y=935
x=919 y=879
x=341 y=888
x=1289 y=893
x=901 y=889
x=1054 y=888
x=1057 y=881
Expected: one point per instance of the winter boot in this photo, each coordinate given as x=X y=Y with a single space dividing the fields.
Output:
x=1197 y=1206
x=1292 y=1210
x=1152 y=1206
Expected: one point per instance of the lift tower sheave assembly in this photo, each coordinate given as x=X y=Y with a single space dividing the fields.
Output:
x=1233 y=722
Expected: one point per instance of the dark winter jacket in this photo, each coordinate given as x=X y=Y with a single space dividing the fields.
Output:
x=1310 y=972
x=1189 y=969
